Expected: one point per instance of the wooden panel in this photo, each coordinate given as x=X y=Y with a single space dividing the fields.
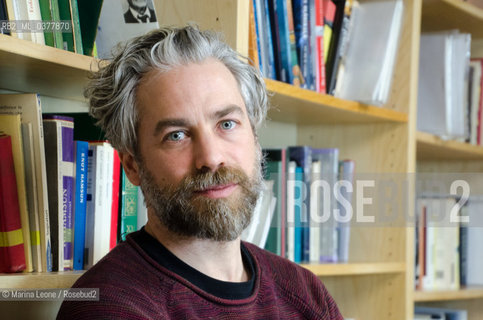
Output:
x=463 y=294
x=347 y=269
x=452 y=14
x=46 y=280
x=369 y=297
x=227 y=16
x=431 y=147
x=292 y=104
x=29 y=67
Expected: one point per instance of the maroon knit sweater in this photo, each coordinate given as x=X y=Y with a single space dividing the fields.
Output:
x=134 y=286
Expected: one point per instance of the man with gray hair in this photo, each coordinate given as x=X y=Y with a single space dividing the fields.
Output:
x=183 y=110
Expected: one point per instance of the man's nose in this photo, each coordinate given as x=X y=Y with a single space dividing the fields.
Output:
x=209 y=153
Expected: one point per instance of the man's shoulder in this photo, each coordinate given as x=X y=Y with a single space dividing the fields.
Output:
x=294 y=284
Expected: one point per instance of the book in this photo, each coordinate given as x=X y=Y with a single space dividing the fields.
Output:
x=339 y=42
x=370 y=58
x=442 y=313
x=12 y=244
x=117 y=24
x=275 y=169
x=74 y=11
x=302 y=40
x=59 y=151
x=346 y=179
x=29 y=108
x=329 y=159
x=81 y=151
x=46 y=15
x=442 y=101
x=264 y=38
x=329 y=18
x=11 y=125
x=297 y=76
x=294 y=210
x=33 y=14
x=302 y=156
x=129 y=207
x=32 y=201
x=67 y=35
x=142 y=211
x=475 y=238
x=49 y=10
x=116 y=176
x=318 y=38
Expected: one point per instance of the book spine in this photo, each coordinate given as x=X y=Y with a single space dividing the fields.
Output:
x=91 y=203
x=74 y=10
x=3 y=16
x=129 y=207
x=32 y=201
x=55 y=14
x=115 y=200
x=34 y=14
x=65 y=15
x=81 y=164
x=319 y=46
x=301 y=24
x=285 y=48
x=46 y=15
x=67 y=166
x=11 y=240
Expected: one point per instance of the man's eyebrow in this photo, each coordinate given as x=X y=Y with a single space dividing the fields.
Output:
x=163 y=124
x=233 y=108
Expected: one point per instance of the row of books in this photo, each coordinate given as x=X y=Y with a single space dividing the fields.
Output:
x=66 y=202
x=322 y=45
x=297 y=216
x=448 y=253
x=450 y=89
x=432 y=313
x=65 y=24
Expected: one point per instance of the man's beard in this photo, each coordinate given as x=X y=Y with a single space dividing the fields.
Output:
x=188 y=214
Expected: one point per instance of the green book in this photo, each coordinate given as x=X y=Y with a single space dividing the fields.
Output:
x=74 y=10
x=67 y=35
x=129 y=207
x=46 y=14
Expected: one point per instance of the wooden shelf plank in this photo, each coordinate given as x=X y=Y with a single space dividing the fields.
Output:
x=449 y=295
x=38 y=280
x=440 y=15
x=355 y=269
x=431 y=147
x=292 y=104
x=30 y=67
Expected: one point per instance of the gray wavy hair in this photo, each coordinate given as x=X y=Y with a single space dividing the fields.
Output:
x=112 y=89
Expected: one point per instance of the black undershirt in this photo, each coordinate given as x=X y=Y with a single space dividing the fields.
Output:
x=218 y=288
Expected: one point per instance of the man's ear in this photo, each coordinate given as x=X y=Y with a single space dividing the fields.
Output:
x=131 y=167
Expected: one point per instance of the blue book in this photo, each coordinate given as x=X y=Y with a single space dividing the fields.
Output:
x=81 y=155
x=301 y=19
x=302 y=156
x=285 y=54
x=300 y=244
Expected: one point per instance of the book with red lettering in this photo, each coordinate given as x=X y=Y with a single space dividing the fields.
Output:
x=12 y=256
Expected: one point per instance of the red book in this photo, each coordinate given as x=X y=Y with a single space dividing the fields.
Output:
x=12 y=256
x=116 y=179
x=319 y=46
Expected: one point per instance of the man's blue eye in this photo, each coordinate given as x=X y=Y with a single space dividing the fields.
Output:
x=176 y=136
x=227 y=125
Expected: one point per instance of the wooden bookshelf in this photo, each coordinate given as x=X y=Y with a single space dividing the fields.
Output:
x=30 y=67
x=301 y=106
x=355 y=269
x=449 y=295
x=433 y=148
x=38 y=280
x=440 y=15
